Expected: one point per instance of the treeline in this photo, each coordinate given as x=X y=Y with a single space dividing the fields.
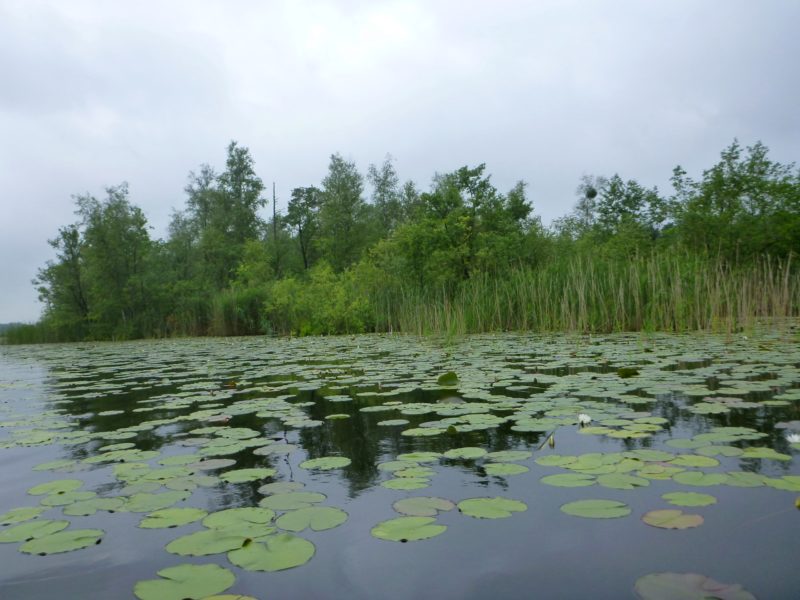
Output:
x=461 y=256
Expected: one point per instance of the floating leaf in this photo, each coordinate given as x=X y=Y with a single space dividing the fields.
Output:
x=19 y=515
x=764 y=453
x=59 y=486
x=85 y=508
x=63 y=541
x=278 y=552
x=151 y=502
x=504 y=469
x=622 y=481
x=672 y=519
x=597 y=509
x=693 y=460
x=326 y=463
x=408 y=529
x=687 y=586
x=280 y=487
x=393 y=422
x=422 y=506
x=689 y=499
x=406 y=483
x=700 y=479
x=569 y=480
x=216 y=541
x=466 y=453
x=245 y=475
x=291 y=500
x=185 y=582
x=449 y=379
x=65 y=498
x=420 y=457
x=239 y=520
x=491 y=508
x=318 y=518
x=509 y=455
x=32 y=530
x=171 y=517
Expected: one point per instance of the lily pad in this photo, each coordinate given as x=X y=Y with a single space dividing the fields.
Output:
x=216 y=541
x=622 y=481
x=687 y=586
x=699 y=478
x=326 y=463
x=448 y=379
x=291 y=500
x=85 y=508
x=32 y=530
x=672 y=519
x=408 y=529
x=597 y=509
x=171 y=517
x=318 y=518
x=689 y=499
x=152 y=502
x=242 y=520
x=422 y=506
x=504 y=469
x=491 y=508
x=569 y=480
x=63 y=541
x=280 y=487
x=466 y=453
x=245 y=475
x=185 y=582
x=406 y=483
x=276 y=553
x=19 y=515
x=59 y=486
x=509 y=455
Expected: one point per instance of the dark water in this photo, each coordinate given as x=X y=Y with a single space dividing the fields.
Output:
x=751 y=536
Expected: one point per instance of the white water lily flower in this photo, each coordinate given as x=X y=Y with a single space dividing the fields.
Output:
x=793 y=438
x=584 y=419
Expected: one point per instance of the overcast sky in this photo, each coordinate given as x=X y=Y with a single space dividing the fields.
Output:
x=96 y=93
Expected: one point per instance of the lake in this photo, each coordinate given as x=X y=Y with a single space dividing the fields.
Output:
x=492 y=466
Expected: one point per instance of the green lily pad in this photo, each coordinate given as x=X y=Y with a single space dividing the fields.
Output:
x=326 y=463
x=185 y=582
x=32 y=530
x=245 y=475
x=171 y=517
x=19 y=515
x=241 y=520
x=318 y=518
x=693 y=460
x=466 y=453
x=672 y=519
x=212 y=464
x=509 y=455
x=65 y=498
x=420 y=457
x=63 y=541
x=55 y=465
x=406 y=483
x=622 y=481
x=764 y=453
x=291 y=500
x=569 y=480
x=699 y=478
x=408 y=529
x=278 y=552
x=597 y=509
x=504 y=469
x=59 y=486
x=729 y=451
x=85 y=508
x=393 y=422
x=687 y=586
x=216 y=541
x=744 y=479
x=146 y=503
x=422 y=506
x=449 y=379
x=689 y=499
x=491 y=508
x=280 y=487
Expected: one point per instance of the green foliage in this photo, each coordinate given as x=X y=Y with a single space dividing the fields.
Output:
x=460 y=257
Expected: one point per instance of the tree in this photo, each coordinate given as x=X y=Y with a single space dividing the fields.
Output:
x=385 y=195
x=342 y=214
x=303 y=215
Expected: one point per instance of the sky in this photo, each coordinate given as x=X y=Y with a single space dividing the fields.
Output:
x=96 y=93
